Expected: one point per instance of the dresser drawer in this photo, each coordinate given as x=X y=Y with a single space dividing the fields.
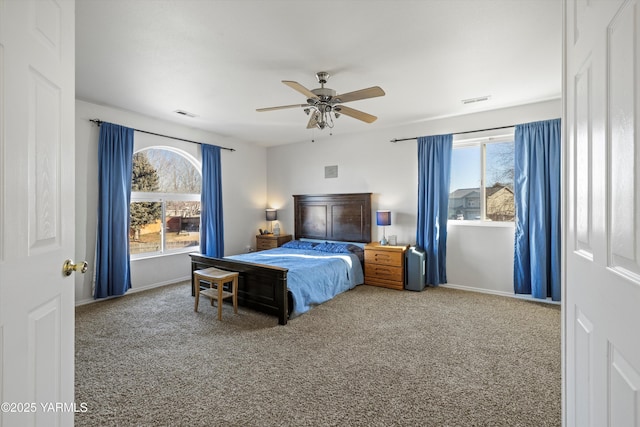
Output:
x=392 y=258
x=392 y=284
x=385 y=272
x=271 y=241
x=263 y=244
x=384 y=265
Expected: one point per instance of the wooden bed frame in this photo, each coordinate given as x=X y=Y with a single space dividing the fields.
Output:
x=334 y=217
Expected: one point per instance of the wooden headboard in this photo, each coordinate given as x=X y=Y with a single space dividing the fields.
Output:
x=339 y=217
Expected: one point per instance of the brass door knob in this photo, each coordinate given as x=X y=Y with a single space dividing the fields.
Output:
x=69 y=267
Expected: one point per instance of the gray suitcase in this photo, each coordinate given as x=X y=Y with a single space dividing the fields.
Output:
x=415 y=265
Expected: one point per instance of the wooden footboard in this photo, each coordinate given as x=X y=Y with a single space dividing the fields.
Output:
x=260 y=287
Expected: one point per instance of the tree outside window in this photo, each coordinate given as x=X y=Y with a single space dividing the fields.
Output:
x=143 y=214
x=499 y=172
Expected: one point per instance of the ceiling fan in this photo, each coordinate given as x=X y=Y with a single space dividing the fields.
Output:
x=324 y=103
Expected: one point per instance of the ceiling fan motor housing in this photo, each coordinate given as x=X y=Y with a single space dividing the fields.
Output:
x=324 y=93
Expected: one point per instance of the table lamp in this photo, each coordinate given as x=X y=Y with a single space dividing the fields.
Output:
x=383 y=218
x=271 y=215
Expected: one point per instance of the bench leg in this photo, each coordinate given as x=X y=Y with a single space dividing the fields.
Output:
x=197 y=290
x=235 y=295
x=220 y=286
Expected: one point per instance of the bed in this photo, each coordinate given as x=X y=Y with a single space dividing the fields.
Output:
x=264 y=281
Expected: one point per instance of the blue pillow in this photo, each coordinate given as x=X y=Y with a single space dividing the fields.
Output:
x=337 y=248
x=299 y=244
x=341 y=248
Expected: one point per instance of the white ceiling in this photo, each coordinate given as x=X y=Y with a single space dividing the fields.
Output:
x=222 y=59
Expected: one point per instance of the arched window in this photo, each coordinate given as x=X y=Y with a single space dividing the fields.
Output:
x=165 y=202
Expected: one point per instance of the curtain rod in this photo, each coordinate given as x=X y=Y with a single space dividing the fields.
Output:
x=455 y=133
x=99 y=122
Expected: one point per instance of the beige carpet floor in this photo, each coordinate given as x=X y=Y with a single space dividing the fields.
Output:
x=369 y=357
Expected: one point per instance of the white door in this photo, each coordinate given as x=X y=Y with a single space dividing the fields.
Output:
x=37 y=142
x=602 y=223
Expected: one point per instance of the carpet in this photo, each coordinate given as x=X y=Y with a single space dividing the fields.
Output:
x=369 y=357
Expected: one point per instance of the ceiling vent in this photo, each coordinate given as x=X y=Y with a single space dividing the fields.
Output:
x=185 y=113
x=474 y=100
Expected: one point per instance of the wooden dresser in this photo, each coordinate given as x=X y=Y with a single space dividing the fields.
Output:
x=384 y=265
x=270 y=241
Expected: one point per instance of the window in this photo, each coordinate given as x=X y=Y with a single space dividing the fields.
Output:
x=165 y=203
x=482 y=173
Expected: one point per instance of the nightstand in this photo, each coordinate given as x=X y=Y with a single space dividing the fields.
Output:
x=384 y=265
x=270 y=241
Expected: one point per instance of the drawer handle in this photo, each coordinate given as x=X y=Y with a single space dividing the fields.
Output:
x=383 y=270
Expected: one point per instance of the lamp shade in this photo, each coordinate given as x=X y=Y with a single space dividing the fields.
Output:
x=271 y=214
x=383 y=217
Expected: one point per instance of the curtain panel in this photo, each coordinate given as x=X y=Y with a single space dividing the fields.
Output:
x=211 y=218
x=434 y=174
x=537 y=200
x=115 y=163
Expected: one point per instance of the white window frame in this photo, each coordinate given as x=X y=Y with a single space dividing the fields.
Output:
x=482 y=142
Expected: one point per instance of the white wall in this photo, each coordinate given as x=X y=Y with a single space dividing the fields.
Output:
x=244 y=192
x=478 y=256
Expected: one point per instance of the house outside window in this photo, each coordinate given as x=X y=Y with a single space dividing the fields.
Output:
x=165 y=203
x=482 y=172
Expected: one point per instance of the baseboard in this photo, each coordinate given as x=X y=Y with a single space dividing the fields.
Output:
x=500 y=293
x=136 y=289
x=159 y=284
x=473 y=289
x=85 y=302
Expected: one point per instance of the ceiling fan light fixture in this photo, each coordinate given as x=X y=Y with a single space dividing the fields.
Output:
x=321 y=117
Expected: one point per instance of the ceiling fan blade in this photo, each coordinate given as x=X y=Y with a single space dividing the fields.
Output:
x=303 y=90
x=356 y=114
x=282 y=107
x=371 y=92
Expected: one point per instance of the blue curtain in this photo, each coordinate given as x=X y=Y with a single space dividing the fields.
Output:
x=115 y=162
x=434 y=173
x=211 y=224
x=537 y=198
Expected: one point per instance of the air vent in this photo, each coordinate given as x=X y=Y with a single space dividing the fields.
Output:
x=331 y=171
x=474 y=100
x=185 y=113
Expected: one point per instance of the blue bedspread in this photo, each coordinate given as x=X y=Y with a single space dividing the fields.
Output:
x=314 y=277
